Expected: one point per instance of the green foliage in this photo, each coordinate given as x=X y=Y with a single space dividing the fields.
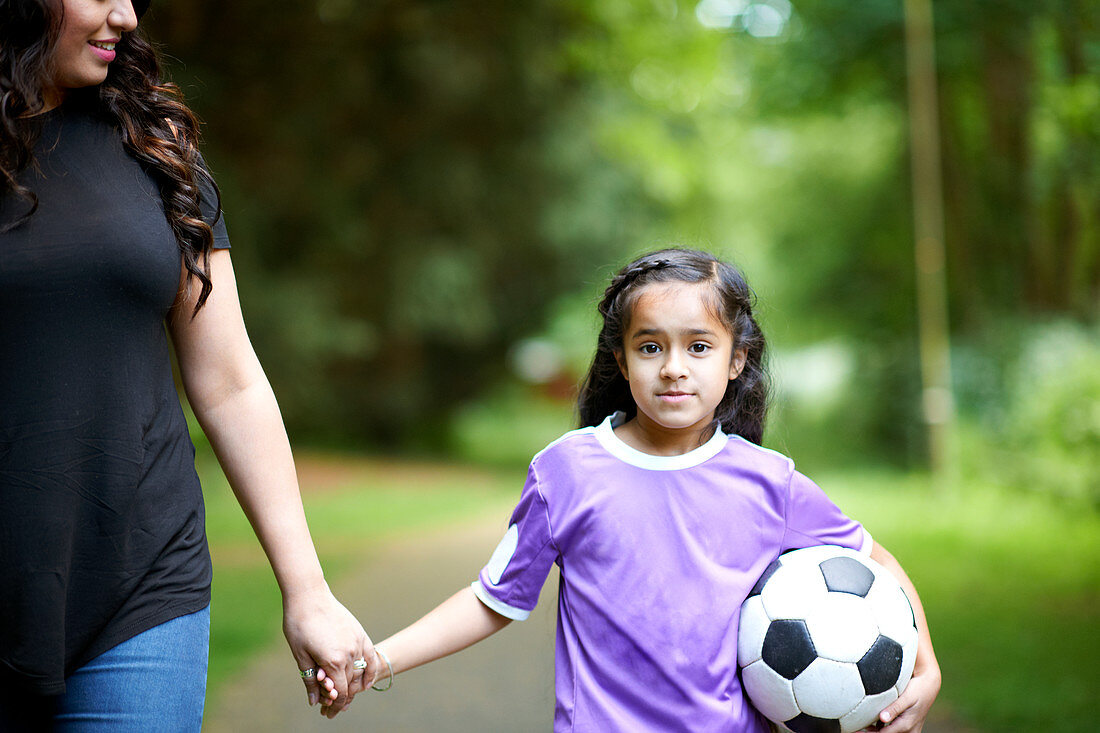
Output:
x=510 y=427
x=868 y=416
x=1032 y=411
x=1009 y=583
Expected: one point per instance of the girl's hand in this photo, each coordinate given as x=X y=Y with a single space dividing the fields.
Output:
x=327 y=688
x=908 y=712
x=323 y=635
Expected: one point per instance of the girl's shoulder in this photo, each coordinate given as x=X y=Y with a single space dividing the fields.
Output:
x=770 y=463
x=736 y=442
x=562 y=442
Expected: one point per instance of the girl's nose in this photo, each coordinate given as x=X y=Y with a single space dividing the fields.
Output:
x=674 y=366
x=122 y=16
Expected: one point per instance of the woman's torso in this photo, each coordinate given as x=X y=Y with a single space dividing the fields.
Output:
x=102 y=520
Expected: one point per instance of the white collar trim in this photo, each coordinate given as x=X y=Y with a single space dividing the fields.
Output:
x=614 y=445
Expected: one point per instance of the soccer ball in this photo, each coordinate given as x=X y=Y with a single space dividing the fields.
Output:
x=827 y=639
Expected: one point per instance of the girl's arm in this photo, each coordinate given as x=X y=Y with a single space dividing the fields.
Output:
x=908 y=712
x=236 y=408
x=460 y=621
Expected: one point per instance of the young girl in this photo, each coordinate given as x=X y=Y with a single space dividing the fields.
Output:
x=661 y=512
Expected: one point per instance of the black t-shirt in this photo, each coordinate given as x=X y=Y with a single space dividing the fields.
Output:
x=101 y=517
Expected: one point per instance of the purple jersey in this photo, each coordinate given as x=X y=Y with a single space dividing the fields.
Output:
x=656 y=555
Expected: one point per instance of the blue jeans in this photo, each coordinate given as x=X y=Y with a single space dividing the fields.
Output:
x=155 y=682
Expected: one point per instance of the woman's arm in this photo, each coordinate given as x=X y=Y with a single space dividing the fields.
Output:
x=236 y=408
x=908 y=712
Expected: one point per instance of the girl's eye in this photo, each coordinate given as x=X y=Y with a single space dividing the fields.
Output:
x=649 y=348
x=698 y=348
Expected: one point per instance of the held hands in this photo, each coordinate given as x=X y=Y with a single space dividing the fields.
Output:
x=328 y=688
x=325 y=637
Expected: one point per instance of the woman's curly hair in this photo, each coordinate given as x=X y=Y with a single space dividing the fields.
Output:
x=155 y=125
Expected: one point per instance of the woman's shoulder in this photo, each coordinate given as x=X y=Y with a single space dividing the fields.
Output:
x=78 y=133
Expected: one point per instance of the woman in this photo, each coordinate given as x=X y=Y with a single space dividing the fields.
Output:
x=110 y=230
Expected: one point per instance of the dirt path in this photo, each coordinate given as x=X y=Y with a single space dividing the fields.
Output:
x=502 y=685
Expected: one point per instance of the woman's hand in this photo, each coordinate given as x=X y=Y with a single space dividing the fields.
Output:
x=324 y=635
x=328 y=689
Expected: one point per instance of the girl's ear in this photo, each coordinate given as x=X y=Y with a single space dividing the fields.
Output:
x=738 y=362
x=622 y=364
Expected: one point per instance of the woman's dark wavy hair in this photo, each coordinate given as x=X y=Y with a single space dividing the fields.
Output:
x=744 y=406
x=155 y=125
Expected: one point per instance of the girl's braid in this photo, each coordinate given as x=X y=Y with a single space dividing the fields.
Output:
x=621 y=282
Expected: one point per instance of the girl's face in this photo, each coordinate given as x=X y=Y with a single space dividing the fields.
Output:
x=86 y=46
x=678 y=359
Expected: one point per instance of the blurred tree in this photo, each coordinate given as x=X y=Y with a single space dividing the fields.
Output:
x=408 y=186
x=1020 y=91
x=411 y=183
x=1020 y=87
x=779 y=127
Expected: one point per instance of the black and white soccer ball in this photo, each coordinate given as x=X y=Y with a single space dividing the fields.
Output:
x=827 y=639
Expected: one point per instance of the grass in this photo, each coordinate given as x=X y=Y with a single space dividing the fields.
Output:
x=1010 y=582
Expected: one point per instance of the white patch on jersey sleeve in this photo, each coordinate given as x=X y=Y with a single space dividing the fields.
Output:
x=516 y=614
x=498 y=563
x=868 y=543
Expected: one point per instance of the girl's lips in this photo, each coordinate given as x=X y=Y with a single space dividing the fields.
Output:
x=674 y=396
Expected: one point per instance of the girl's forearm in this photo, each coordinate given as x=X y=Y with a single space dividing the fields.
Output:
x=460 y=621
x=926 y=656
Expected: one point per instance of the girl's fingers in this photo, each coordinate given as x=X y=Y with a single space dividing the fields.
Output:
x=900 y=716
x=326 y=687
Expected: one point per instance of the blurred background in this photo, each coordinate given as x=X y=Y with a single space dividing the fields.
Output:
x=427 y=197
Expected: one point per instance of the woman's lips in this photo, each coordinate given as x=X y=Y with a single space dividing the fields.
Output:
x=103 y=49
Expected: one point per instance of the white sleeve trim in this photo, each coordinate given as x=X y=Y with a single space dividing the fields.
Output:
x=868 y=543
x=516 y=614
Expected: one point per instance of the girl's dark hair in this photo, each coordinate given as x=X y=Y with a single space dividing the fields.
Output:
x=744 y=406
x=155 y=125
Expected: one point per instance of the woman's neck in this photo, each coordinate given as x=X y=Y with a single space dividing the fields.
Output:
x=52 y=98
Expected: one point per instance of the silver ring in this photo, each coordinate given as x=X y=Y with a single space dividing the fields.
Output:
x=308 y=674
x=359 y=664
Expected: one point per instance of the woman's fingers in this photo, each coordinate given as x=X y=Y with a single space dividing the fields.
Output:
x=364 y=669
x=308 y=670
